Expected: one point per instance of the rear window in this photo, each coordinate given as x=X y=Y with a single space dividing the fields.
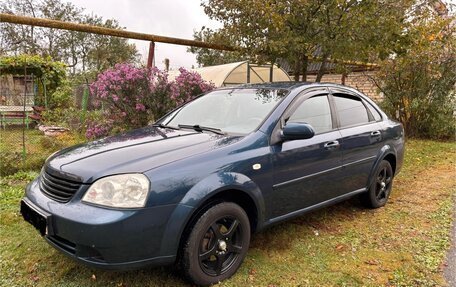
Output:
x=351 y=110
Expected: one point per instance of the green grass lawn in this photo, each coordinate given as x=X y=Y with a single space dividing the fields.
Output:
x=402 y=244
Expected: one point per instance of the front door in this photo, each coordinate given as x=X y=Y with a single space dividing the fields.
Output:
x=306 y=172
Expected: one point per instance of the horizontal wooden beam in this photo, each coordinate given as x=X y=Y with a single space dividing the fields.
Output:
x=56 y=24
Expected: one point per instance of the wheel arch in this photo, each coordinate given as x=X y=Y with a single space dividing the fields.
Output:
x=216 y=188
x=386 y=153
x=391 y=158
x=238 y=196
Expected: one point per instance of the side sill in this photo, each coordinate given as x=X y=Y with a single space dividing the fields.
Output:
x=314 y=207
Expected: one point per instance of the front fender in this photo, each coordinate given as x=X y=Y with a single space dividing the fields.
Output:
x=199 y=194
x=221 y=181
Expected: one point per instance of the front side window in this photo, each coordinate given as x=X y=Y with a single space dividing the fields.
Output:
x=351 y=110
x=316 y=112
x=236 y=111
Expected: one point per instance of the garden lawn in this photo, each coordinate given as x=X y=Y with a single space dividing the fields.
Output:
x=402 y=244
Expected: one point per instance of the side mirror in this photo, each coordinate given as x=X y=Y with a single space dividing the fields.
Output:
x=297 y=131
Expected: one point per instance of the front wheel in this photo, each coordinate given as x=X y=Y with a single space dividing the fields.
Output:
x=217 y=244
x=380 y=189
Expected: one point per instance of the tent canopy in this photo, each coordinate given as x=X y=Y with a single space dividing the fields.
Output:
x=239 y=73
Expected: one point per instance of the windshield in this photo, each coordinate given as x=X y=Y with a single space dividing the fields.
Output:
x=237 y=111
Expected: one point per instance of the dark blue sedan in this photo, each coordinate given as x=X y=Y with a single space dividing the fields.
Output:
x=193 y=187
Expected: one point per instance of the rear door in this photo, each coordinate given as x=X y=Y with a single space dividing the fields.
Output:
x=361 y=134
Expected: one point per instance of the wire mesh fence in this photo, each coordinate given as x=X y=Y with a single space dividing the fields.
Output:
x=24 y=143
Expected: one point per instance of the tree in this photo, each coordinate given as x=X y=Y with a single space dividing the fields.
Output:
x=107 y=51
x=211 y=57
x=419 y=83
x=82 y=52
x=18 y=39
x=54 y=41
x=298 y=30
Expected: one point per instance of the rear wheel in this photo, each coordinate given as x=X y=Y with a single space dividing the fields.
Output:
x=380 y=189
x=217 y=244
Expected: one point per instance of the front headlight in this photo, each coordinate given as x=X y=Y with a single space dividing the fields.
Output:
x=122 y=191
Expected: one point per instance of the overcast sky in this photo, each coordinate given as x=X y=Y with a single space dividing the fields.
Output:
x=172 y=18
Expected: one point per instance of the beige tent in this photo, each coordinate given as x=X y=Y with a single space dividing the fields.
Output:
x=239 y=73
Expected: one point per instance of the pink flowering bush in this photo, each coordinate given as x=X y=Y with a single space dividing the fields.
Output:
x=96 y=130
x=159 y=93
x=188 y=85
x=131 y=97
x=122 y=92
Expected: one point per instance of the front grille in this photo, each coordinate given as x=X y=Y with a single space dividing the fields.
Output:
x=58 y=188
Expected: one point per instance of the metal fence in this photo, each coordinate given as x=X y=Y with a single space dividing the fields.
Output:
x=24 y=145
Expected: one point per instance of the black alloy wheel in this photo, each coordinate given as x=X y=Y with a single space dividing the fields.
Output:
x=217 y=244
x=383 y=184
x=220 y=247
x=380 y=189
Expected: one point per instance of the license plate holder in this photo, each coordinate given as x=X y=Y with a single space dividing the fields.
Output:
x=37 y=219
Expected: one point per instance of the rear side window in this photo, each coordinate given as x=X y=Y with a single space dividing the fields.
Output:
x=351 y=110
x=374 y=112
x=316 y=112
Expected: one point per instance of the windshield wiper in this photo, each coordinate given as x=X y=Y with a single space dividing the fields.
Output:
x=165 y=126
x=199 y=128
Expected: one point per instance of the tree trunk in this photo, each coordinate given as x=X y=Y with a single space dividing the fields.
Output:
x=297 y=68
x=343 y=79
x=322 y=70
x=32 y=32
x=305 y=63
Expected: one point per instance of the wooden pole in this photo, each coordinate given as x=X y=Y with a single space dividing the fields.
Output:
x=48 y=23
x=150 y=58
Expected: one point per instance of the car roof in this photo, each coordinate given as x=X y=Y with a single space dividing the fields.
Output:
x=282 y=85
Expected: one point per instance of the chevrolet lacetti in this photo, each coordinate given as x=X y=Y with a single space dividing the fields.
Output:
x=192 y=188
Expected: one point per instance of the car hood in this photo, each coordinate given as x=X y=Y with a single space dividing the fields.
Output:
x=136 y=151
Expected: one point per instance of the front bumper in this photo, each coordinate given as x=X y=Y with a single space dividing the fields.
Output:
x=102 y=237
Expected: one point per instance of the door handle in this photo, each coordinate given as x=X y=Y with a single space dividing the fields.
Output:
x=331 y=145
x=376 y=134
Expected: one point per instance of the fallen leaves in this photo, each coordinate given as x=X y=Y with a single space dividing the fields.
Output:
x=372 y=262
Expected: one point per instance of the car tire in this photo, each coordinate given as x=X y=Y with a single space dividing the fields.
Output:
x=381 y=186
x=216 y=245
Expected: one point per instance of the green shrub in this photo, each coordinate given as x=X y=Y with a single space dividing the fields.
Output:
x=62 y=98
